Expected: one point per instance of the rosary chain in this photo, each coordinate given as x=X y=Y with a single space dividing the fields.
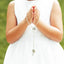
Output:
x=33 y=50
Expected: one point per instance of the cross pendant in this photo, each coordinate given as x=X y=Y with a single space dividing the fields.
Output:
x=33 y=50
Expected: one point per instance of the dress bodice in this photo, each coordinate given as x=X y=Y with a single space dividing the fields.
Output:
x=46 y=50
x=23 y=6
x=44 y=6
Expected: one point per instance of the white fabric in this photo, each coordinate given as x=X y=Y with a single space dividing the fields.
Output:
x=47 y=50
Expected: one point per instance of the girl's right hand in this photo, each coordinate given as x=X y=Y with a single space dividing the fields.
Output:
x=29 y=16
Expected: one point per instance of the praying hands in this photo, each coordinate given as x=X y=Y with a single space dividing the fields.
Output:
x=33 y=15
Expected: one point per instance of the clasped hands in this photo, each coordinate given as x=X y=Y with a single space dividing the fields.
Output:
x=33 y=15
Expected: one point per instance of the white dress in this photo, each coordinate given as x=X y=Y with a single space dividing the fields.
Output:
x=47 y=51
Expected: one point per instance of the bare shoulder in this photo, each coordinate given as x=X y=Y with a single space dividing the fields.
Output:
x=56 y=8
x=11 y=18
x=56 y=16
x=11 y=5
x=56 y=12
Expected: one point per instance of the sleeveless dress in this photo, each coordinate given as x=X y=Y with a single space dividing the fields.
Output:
x=46 y=51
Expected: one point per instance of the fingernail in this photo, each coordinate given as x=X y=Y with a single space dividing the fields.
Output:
x=33 y=6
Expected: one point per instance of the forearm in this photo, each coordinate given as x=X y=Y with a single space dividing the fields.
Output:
x=15 y=33
x=50 y=31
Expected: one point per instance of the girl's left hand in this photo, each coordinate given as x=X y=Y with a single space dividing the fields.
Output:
x=36 y=15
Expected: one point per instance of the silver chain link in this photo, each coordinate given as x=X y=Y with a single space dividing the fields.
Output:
x=33 y=50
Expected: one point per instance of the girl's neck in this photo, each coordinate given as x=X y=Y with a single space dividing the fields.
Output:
x=30 y=0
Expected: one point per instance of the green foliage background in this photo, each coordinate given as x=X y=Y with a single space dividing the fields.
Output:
x=3 y=41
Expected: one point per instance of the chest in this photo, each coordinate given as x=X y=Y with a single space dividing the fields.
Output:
x=44 y=6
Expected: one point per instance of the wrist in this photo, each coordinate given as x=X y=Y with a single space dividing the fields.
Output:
x=37 y=23
x=26 y=22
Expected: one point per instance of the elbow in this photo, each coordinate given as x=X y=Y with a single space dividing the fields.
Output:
x=60 y=37
x=8 y=39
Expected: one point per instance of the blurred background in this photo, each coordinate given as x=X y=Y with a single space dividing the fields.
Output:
x=3 y=41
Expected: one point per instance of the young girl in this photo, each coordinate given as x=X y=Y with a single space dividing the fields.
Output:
x=34 y=30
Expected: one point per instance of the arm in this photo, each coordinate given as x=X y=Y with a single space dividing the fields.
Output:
x=55 y=30
x=13 y=31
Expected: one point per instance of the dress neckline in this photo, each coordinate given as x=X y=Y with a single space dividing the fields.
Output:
x=31 y=0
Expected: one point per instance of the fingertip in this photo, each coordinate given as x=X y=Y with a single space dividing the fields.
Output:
x=32 y=12
x=34 y=7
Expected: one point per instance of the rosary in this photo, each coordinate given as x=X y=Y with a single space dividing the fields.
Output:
x=33 y=28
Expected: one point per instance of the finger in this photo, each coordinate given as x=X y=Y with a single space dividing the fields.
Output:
x=31 y=9
x=37 y=13
x=33 y=6
x=32 y=17
x=36 y=9
x=32 y=14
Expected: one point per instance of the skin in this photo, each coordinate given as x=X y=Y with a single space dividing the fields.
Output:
x=55 y=30
x=14 y=31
